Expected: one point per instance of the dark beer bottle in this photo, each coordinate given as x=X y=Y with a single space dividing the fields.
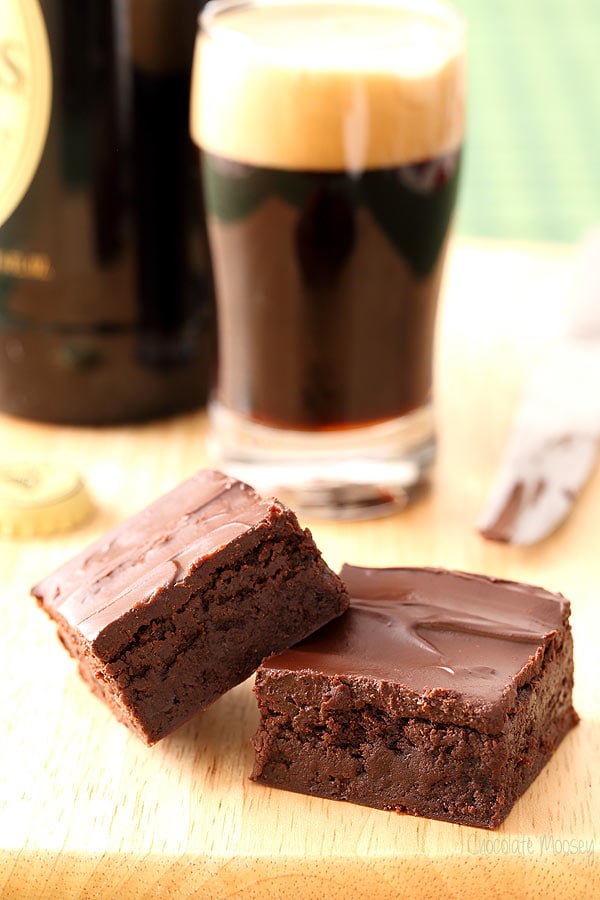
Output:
x=105 y=286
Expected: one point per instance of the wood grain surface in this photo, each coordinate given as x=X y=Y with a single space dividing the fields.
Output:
x=87 y=811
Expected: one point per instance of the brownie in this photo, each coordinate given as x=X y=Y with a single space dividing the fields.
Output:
x=439 y=694
x=182 y=601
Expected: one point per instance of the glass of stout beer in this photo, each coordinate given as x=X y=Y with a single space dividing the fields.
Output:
x=331 y=134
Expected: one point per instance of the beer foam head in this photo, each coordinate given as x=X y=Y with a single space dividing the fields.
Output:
x=328 y=84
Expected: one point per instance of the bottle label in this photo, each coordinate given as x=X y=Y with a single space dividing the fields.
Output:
x=25 y=98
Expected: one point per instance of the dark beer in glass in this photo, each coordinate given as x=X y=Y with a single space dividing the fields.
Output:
x=331 y=138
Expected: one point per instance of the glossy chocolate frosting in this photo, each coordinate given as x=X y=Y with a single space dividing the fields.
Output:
x=156 y=548
x=439 y=634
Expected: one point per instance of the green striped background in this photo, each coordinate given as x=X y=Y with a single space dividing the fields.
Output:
x=532 y=166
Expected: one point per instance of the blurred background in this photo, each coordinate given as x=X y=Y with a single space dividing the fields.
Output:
x=532 y=165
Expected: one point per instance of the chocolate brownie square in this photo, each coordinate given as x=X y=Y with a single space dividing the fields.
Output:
x=182 y=601
x=439 y=694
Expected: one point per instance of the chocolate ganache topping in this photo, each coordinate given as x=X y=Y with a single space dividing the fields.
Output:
x=157 y=546
x=439 y=634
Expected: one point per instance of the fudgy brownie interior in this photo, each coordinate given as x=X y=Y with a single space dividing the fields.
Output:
x=438 y=693
x=182 y=601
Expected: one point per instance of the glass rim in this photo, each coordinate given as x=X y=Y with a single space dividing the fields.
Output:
x=442 y=10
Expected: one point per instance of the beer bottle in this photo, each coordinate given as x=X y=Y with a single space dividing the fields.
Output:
x=105 y=285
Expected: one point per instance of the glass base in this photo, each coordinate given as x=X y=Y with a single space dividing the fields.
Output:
x=357 y=473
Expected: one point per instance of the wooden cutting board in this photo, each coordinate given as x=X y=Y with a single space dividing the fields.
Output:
x=86 y=811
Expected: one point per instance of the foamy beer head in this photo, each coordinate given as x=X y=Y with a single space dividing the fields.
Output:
x=329 y=85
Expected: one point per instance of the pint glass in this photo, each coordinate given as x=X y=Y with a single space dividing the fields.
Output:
x=331 y=137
